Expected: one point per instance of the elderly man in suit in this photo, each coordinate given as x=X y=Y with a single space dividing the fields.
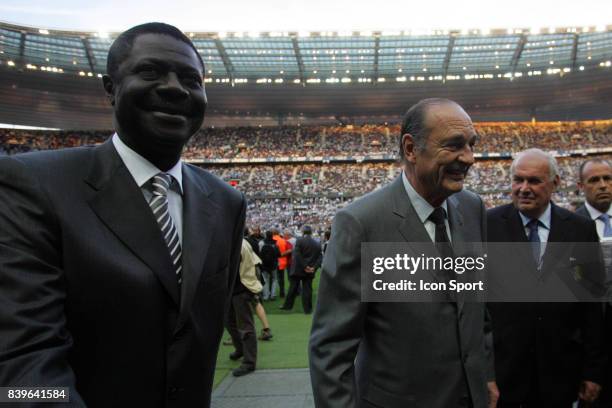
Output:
x=405 y=354
x=546 y=354
x=306 y=260
x=118 y=261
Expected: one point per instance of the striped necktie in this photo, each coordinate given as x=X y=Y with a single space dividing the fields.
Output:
x=159 y=205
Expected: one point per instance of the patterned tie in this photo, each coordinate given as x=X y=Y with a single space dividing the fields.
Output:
x=159 y=206
x=534 y=238
x=605 y=218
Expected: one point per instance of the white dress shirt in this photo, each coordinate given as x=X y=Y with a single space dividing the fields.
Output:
x=424 y=210
x=143 y=170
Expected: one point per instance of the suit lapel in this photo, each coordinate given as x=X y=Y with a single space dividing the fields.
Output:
x=199 y=220
x=410 y=225
x=557 y=233
x=121 y=206
x=455 y=221
x=514 y=225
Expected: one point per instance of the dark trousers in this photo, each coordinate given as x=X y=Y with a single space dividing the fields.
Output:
x=241 y=327
x=294 y=285
x=280 y=274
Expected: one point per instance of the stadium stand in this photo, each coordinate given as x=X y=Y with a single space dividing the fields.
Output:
x=301 y=175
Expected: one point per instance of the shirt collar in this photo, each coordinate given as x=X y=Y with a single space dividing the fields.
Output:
x=421 y=206
x=594 y=212
x=140 y=168
x=544 y=218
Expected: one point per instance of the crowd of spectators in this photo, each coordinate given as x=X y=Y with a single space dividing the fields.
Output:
x=328 y=141
x=291 y=195
x=13 y=141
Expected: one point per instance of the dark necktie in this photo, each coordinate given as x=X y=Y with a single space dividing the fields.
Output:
x=438 y=216
x=159 y=206
x=443 y=245
x=534 y=238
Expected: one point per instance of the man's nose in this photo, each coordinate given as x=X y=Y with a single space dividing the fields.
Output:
x=172 y=87
x=467 y=156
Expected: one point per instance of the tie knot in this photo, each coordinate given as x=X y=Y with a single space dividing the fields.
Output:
x=438 y=216
x=605 y=218
x=161 y=184
x=533 y=224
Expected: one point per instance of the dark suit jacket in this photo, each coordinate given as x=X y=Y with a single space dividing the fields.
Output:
x=551 y=346
x=407 y=354
x=88 y=296
x=307 y=252
x=582 y=210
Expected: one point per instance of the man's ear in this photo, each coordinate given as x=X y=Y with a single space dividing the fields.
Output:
x=557 y=181
x=109 y=88
x=408 y=148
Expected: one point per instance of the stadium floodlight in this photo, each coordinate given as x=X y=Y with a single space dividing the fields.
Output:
x=104 y=34
x=345 y=80
x=10 y=63
x=581 y=68
x=303 y=34
x=81 y=73
x=278 y=81
x=401 y=79
x=43 y=31
x=381 y=79
x=297 y=81
x=253 y=34
x=221 y=34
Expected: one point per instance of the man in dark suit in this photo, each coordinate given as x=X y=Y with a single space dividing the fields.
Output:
x=118 y=261
x=595 y=181
x=306 y=259
x=393 y=354
x=546 y=354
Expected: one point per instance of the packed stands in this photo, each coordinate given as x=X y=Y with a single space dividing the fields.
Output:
x=303 y=175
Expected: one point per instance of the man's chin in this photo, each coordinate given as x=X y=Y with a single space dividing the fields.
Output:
x=453 y=186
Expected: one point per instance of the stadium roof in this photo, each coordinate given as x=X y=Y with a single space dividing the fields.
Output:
x=334 y=57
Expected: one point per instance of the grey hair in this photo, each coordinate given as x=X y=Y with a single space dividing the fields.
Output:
x=553 y=167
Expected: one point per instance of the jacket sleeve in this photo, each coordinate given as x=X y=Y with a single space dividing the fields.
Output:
x=34 y=341
x=339 y=317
